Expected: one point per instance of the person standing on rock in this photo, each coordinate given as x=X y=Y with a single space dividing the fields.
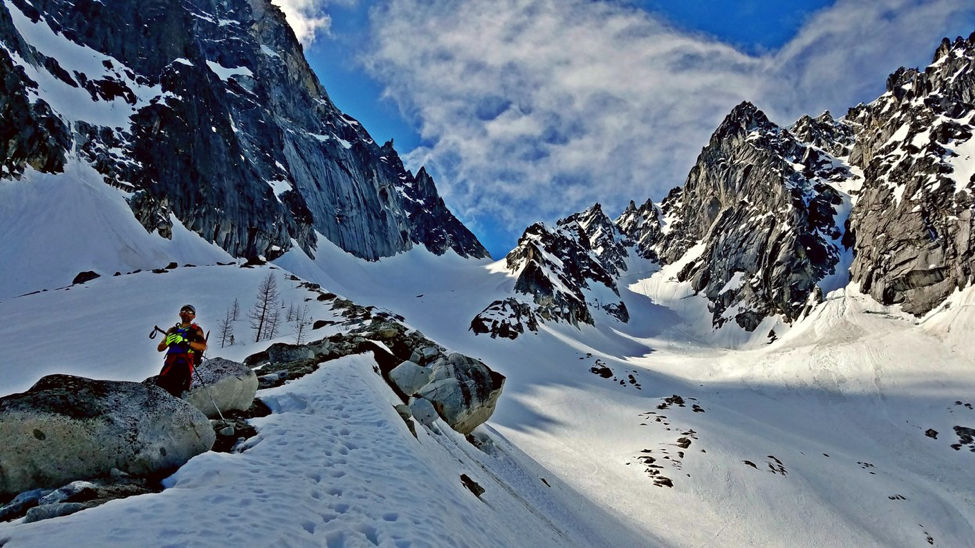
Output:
x=183 y=343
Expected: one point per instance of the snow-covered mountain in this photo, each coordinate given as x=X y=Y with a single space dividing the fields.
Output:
x=707 y=370
x=913 y=220
x=771 y=219
x=206 y=113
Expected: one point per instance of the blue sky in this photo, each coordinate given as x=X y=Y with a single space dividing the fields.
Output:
x=528 y=110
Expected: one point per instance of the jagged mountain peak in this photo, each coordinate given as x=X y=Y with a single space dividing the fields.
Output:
x=914 y=216
x=834 y=136
x=743 y=119
x=778 y=217
x=642 y=226
x=960 y=46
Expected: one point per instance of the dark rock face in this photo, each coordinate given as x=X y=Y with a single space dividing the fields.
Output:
x=642 y=227
x=30 y=133
x=913 y=220
x=230 y=131
x=506 y=319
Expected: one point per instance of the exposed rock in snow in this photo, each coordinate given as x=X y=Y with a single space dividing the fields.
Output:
x=232 y=386
x=67 y=428
x=569 y=269
x=507 y=319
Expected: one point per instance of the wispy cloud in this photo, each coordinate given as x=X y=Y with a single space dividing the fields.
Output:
x=308 y=18
x=537 y=108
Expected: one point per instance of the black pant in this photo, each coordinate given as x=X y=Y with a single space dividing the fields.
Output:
x=177 y=374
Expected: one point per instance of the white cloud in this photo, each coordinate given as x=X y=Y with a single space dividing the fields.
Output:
x=538 y=108
x=308 y=18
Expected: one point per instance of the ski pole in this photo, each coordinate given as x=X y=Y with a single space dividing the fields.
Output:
x=205 y=388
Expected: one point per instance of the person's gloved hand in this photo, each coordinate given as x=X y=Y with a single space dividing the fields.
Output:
x=174 y=338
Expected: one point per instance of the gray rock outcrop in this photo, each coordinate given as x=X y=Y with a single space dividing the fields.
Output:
x=764 y=205
x=67 y=428
x=462 y=390
x=232 y=386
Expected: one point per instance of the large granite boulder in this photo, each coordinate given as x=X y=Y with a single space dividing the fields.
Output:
x=232 y=385
x=463 y=391
x=67 y=428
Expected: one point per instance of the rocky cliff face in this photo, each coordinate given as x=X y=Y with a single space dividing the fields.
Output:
x=208 y=111
x=913 y=220
x=762 y=205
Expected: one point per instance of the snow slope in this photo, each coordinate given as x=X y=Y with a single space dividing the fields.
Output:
x=833 y=416
x=819 y=439
x=55 y=226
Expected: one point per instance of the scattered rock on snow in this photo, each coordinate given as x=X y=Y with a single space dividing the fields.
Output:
x=55 y=510
x=472 y=485
x=286 y=353
x=85 y=276
x=966 y=437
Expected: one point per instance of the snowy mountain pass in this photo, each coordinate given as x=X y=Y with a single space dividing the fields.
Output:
x=847 y=381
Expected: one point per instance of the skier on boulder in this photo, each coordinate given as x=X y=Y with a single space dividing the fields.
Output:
x=183 y=342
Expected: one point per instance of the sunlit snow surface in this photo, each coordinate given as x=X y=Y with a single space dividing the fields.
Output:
x=832 y=415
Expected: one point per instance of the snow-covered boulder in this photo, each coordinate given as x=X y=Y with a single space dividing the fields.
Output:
x=231 y=384
x=67 y=428
x=463 y=390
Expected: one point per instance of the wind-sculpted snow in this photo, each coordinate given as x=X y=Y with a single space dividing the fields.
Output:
x=208 y=111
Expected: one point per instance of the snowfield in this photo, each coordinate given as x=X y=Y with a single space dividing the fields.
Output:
x=695 y=437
